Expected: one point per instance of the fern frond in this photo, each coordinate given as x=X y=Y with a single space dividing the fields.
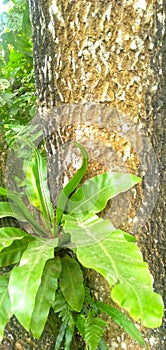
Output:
x=102 y=345
x=94 y=328
x=66 y=332
x=61 y=306
x=80 y=324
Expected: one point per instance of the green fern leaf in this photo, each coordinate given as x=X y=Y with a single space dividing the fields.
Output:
x=94 y=328
x=62 y=307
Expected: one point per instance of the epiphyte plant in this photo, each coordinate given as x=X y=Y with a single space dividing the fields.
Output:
x=48 y=260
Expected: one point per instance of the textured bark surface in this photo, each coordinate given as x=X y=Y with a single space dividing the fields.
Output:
x=109 y=53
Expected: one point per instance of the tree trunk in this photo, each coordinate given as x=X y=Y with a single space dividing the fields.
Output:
x=100 y=80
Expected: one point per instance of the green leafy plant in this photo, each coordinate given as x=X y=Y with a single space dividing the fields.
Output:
x=17 y=88
x=48 y=262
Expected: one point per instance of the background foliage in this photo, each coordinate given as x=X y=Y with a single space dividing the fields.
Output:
x=17 y=89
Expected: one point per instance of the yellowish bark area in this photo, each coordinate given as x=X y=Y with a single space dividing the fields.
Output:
x=102 y=51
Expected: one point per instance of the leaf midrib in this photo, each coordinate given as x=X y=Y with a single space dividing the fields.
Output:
x=121 y=278
x=89 y=199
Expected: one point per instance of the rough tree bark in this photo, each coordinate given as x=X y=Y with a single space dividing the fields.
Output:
x=110 y=54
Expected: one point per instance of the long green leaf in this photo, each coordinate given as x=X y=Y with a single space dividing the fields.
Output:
x=26 y=278
x=86 y=230
x=45 y=296
x=121 y=263
x=71 y=283
x=123 y=321
x=13 y=211
x=8 y=235
x=28 y=217
x=5 y=305
x=71 y=186
x=80 y=324
x=37 y=188
x=61 y=335
x=94 y=194
x=69 y=335
x=12 y=254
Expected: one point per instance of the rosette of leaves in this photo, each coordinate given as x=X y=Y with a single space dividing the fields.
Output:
x=47 y=262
